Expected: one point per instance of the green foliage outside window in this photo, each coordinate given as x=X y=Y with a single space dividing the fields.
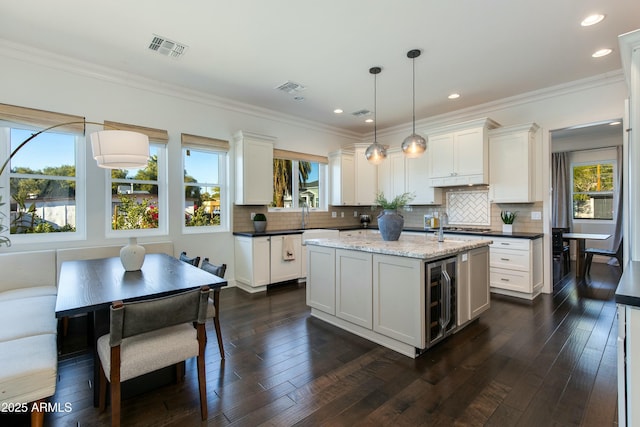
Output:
x=132 y=214
x=593 y=190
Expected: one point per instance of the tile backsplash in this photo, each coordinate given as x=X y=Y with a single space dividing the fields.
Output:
x=463 y=206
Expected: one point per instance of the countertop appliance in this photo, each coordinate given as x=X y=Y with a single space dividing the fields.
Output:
x=441 y=297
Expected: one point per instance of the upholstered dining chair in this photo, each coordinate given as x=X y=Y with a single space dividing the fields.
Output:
x=195 y=261
x=148 y=335
x=213 y=309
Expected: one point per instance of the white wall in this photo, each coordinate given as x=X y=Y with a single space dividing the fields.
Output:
x=50 y=83
x=57 y=85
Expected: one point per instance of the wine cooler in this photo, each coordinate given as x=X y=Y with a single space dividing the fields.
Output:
x=440 y=299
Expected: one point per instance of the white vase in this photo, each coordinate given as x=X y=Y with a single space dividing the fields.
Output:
x=507 y=228
x=132 y=255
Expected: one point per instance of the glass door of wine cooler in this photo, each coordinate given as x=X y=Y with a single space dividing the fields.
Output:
x=440 y=299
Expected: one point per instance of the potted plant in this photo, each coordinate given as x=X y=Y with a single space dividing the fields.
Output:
x=259 y=222
x=508 y=218
x=390 y=222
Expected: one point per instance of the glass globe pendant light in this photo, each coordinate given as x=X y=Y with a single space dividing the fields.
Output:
x=376 y=152
x=414 y=145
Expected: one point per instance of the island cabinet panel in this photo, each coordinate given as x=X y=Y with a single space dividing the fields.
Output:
x=398 y=298
x=478 y=288
x=354 y=287
x=321 y=278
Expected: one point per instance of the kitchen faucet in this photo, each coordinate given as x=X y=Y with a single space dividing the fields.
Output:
x=305 y=206
x=443 y=217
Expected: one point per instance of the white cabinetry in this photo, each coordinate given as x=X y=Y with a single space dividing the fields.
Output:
x=398 y=299
x=353 y=287
x=252 y=262
x=460 y=154
x=512 y=160
x=399 y=174
x=366 y=178
x=342 y=177
x=259 y=261
x=516 y=267
x=417 y=181
x=282 y=269
x=321 y=278
x=254 y=168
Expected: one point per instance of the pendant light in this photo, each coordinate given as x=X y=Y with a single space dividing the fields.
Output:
x=376 y=152
x=414 y=145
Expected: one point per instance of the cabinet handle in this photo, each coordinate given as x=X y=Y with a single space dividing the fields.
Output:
x=505 y=280
x=505 y=259
x=505 y=244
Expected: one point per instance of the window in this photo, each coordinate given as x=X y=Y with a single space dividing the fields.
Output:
x=298 y=183
x=43 y=186
x=593 y=187
x=203 y=179
x=137 y=196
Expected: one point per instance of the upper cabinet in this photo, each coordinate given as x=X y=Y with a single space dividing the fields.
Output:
x=354 y=181
x=366 y=177
x=460 y=154
x=254 y=168
x=399 y=174
x=342 y=177
x=513 y=152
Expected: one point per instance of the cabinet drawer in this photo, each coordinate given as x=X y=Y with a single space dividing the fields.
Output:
x=509 y=259
x=505 y=243
x=510 y=279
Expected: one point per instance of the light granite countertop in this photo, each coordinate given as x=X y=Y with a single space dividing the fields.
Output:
x=421 y=247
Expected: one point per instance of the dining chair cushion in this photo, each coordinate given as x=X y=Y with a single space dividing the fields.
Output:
x=195 y=261
x=32 y=316
x=29 y=368
x=151 y=351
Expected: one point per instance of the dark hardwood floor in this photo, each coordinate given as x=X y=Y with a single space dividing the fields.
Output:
x=547 y=363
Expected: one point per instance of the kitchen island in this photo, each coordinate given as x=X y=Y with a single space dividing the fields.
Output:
x=406 y=295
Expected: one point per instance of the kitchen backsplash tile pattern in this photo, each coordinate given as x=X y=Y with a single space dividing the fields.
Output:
x=468 y=208
x=413 y=215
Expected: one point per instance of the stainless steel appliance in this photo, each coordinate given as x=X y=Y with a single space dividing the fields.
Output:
x=441 y=297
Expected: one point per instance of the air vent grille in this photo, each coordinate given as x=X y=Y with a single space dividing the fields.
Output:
x=167 y=47
x=361 y=113
x=290 y=87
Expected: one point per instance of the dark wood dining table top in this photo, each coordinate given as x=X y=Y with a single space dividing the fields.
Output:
x=89 y=285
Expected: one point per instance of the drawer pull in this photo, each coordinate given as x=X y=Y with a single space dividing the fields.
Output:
x=504 y=280
x=505 y=244
x=505 y=259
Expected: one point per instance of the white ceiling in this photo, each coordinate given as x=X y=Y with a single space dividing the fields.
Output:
x=242 y=49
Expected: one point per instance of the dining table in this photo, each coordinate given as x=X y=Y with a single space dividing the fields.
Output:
x=580 y=239
x=91 y=286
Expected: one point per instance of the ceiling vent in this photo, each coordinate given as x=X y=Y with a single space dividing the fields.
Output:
x=290 y=87
x=167 y=47
x=361 y=113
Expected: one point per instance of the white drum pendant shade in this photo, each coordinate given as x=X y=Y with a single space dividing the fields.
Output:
x=120 y=149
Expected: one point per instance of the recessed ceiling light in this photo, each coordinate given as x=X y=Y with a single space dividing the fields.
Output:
x=369 y=121
x=454 y=96
x=592 y=20
x=338 y=111
x=602 y=52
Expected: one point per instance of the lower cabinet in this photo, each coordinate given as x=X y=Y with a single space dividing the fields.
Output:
x=353 y=287
x=398 y=298
x=516 y=267
x=474 y=297
x=260 y=261
x=321 y=279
